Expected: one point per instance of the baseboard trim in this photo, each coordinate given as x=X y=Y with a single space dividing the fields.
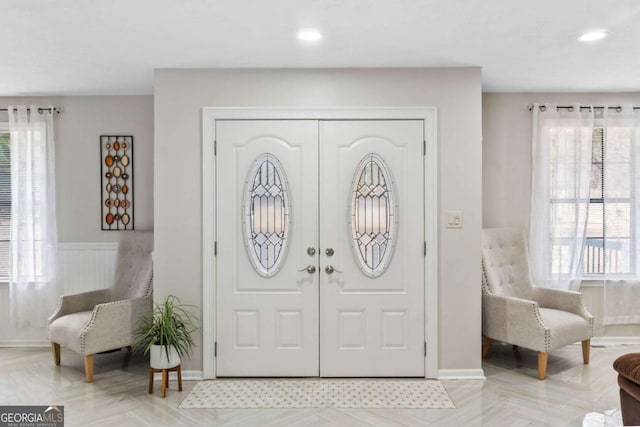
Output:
x=192 y=375
x=461 y=374
x=615 y=340
x=25 y=343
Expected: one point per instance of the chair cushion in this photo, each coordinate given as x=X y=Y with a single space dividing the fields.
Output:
x=66 y=330
x=566 y=328
x=504 y=254
x=134 y=265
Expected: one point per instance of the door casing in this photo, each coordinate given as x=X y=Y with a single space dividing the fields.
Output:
x=209 y=236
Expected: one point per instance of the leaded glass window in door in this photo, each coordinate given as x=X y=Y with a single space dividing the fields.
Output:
x=373 y=216
x=266 y=215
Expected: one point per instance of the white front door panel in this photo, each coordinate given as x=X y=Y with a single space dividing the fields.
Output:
x=267 y=308
x=373 y=303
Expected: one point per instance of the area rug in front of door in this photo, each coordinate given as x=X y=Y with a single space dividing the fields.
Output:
x=318 y=393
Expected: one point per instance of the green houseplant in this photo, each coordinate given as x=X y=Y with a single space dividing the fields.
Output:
x=166 y=333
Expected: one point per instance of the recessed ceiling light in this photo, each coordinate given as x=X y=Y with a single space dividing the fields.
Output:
x=309 y=35
x=591 y=36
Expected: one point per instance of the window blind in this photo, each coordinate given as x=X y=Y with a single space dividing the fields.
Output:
x=5 y=205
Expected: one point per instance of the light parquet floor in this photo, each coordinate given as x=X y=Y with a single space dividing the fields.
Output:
x=572 y=395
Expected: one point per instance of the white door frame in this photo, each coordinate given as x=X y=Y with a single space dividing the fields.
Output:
x=209 y=285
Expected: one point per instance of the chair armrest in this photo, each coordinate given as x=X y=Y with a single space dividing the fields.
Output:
x=562 y=300
x=515 y=321
x=112 y=324
x=84 y=301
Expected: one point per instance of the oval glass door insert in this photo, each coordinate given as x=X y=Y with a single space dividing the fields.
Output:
x=374 y=216
x=266 y=213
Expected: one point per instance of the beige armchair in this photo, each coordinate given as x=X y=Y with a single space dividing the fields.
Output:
x=519 y=313
x=102 y=320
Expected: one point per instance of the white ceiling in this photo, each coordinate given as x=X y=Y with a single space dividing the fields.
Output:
x=57 y=47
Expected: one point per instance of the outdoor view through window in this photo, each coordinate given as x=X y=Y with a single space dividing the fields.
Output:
x=608 y=247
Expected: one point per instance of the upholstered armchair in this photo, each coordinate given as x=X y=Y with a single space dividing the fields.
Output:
x=517 y=312
x=102 y=320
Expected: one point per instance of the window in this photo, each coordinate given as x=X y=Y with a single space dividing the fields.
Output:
x=5 y=202
x=608 y=245
x=266 y=215
x=373 y=216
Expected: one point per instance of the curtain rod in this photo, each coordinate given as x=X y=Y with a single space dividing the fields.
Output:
x=618 y=108
x=41 y=110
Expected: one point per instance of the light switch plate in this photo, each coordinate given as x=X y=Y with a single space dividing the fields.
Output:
x=454 y=219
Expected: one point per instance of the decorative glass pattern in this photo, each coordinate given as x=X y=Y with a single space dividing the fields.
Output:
x=266 y=215
x=373 y=216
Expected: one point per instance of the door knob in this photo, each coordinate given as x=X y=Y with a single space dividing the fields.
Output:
x=309 y=269
x=329 y=252
x=311 y=251
x=329 y=269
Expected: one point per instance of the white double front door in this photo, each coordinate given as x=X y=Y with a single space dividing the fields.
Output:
x=320 y=233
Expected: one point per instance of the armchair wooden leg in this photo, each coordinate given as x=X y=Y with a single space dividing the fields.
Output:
x=88 y=367
x=486 y=345
x=586 y=350
x=542 y=364
x=55 y=350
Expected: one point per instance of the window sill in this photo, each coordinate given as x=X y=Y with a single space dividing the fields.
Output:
x=598 y=282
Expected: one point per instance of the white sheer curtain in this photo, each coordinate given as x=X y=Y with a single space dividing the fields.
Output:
x=561 y=174
x=33 y=222
x=621 y=215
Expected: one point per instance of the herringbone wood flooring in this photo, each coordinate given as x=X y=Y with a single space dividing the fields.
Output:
x=511 y=395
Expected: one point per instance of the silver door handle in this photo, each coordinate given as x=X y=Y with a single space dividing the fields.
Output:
x=309 y=269
x=329 y=269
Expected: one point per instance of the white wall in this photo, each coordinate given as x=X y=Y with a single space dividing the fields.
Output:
x=78 y=203
x=456 y=92
x=506 y=159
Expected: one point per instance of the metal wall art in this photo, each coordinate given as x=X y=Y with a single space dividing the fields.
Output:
x=116 y=158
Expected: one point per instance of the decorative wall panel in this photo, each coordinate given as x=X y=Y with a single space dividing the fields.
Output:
x=116 y=159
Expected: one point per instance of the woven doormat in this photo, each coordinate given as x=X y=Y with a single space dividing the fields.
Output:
x=318 y=393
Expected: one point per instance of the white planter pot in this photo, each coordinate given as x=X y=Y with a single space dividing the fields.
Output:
x=159 y=357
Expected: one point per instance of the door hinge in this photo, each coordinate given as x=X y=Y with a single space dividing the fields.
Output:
x=215 y=349
x=215 y=248
x=424 y=147
x=215 y=148
x=424 y=247
x=425 y=349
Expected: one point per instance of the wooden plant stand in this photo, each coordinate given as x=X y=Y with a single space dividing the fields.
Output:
x=165 y=378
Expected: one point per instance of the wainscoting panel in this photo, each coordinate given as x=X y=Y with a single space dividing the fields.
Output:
x=85 y=266
x=81 y=267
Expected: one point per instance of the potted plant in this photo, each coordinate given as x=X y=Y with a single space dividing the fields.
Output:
x=165 y=332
